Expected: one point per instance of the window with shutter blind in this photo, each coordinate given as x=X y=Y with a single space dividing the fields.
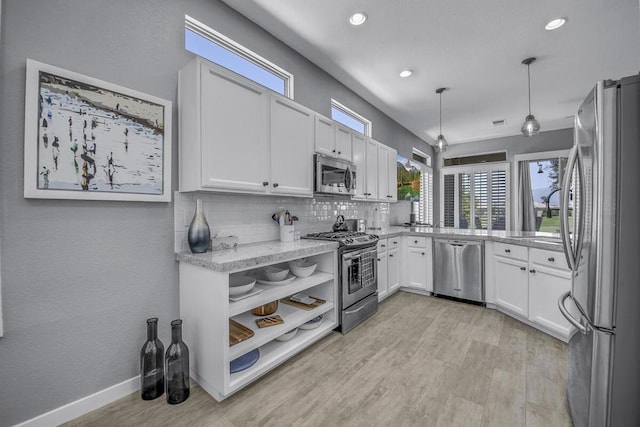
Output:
x=476 y=197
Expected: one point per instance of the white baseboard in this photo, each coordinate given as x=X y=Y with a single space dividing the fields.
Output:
x=84 y=405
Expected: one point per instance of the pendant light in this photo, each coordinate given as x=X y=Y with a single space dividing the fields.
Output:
x=441 y=143
x=530 y=126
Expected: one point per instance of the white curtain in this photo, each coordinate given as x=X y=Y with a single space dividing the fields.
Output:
x=525 y=202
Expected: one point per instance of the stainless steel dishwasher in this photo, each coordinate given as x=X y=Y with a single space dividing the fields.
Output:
x=459 y=269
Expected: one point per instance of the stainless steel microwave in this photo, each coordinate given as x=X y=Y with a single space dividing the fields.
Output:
x=334 y=176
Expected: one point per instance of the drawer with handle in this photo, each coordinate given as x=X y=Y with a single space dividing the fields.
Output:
x=548 y=258
x=417 y=241
x=511 y=251
x=383 y=245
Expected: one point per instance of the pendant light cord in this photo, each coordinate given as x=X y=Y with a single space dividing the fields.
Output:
x=441 y=113
x=529 y=84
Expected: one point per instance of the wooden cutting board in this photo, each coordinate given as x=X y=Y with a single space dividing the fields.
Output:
x=297 y=304
x=238 y=332
x=269 y=321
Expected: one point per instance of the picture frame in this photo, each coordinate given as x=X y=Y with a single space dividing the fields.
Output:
x=88 y=139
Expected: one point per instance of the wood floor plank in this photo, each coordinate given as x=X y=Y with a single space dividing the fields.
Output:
x=419 y=361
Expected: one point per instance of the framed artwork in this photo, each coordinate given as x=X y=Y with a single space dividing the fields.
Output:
x=89 y=139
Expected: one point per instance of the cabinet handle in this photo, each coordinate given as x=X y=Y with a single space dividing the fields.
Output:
x=383 y=246
x=523 y=268
x=395 y=243
x=422 y=253
x=552 y=259
x=532 y=271
x=508 y=251
x=389 y=196
x=390 y=255
x=333 y=151
x=265 y=183
x=275 y=185
x=415 y=241
x=379 y=259
x=339 y=152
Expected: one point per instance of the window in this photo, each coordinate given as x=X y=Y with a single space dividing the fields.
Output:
x=350 y=118
x=542 y=183
x=208 y=43
x=415 y=184
x=476 y=197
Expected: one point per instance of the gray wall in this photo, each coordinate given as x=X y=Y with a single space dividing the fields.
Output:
x=545 y=141
x=80 y=278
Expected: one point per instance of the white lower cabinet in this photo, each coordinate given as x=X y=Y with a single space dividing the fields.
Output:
x=512 y=285
x=388 y=266
x=419 y=263
x=206 y=312
x=527 y=282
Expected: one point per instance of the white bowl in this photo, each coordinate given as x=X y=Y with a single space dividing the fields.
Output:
x=313 y=323
x=275 y=274
x=287 y=336
x=240 y=284
x=302 y=268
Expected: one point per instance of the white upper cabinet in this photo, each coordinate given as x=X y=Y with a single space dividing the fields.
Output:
x=371 y=170
x=291 y=150
x=237 y=136
x=332 y=139
x=343 y=143
x=387 y=174
x=359 y=146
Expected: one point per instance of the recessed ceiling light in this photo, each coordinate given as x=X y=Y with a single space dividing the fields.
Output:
x=554 y=24
x=406 y=73
x=358 y=18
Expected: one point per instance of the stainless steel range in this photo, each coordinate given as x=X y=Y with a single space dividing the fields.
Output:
x=358 y=270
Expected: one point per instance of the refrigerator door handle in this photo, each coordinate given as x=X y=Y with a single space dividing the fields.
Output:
x=579 y=326
x=564 y=209
x=581 y=208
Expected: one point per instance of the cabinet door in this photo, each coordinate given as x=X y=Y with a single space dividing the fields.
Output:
x=511 y=285
x=393 y=270
x=359 y=146
x=417 y=268
x=325 y=138
x=545 y=287
x=371 y=170
x=235 y=133
x=383 y=173
x=343 y=143
x=392 y=185
x=383 y=276
x=291 y=148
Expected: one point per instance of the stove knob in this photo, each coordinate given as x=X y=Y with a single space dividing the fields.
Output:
x=349 y=240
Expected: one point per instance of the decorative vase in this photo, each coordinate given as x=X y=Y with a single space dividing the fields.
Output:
x=152 y=363
x=199 y=233
x=177 y=366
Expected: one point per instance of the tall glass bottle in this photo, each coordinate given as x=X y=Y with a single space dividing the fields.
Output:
x=152 y=363
x=177 y=366
x=199 y=234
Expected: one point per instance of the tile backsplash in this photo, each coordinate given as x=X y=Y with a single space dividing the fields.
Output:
x=249 y=217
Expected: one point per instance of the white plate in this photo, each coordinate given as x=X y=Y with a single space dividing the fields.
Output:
x=313 y=323
x=252 y=292
x=290 y=278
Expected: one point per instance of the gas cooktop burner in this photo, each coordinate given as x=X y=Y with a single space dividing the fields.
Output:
x=346 y=238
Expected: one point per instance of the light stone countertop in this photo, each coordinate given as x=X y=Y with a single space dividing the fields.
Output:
x=256 y=254
x=532 y=239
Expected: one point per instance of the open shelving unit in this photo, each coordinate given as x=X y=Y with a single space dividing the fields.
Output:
x=205 y=309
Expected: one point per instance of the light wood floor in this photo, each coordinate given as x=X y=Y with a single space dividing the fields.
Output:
x=420 y=361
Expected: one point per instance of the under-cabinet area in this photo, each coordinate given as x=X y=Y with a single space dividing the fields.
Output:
x=223 y=332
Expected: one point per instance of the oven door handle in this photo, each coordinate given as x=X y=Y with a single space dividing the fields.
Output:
x=356 y=310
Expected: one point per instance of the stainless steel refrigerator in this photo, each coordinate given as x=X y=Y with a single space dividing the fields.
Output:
x=600 y=225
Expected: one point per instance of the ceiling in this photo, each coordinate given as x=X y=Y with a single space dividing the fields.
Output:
x=473 y=48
